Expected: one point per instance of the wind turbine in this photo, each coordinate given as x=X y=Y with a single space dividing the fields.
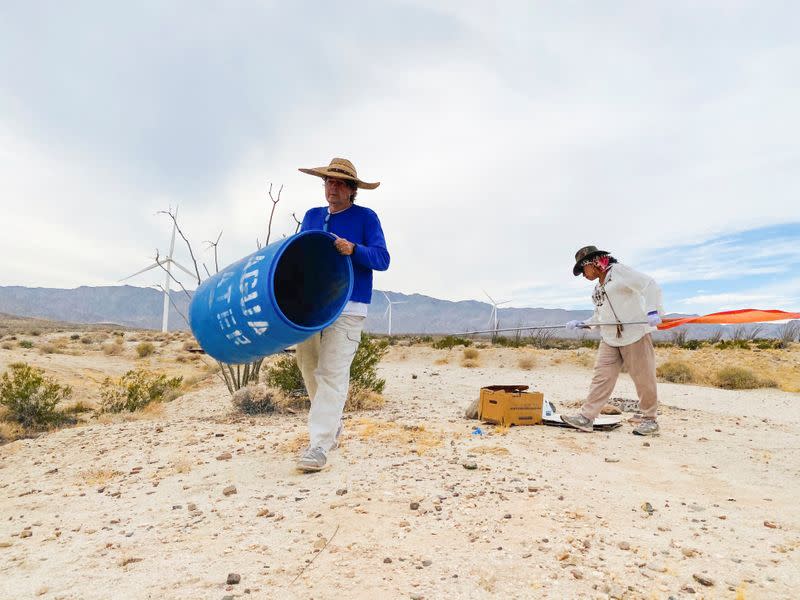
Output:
x=493 y=315
x=389 y=310
x=166 y=263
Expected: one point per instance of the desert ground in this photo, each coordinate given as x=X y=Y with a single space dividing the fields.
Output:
x=181 y=499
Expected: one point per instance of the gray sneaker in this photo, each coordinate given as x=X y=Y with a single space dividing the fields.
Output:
x=579 y=422
x=313 y=459
x=646 y=427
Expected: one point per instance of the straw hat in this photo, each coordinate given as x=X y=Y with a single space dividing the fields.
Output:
x=341 y=168
x=582 y=254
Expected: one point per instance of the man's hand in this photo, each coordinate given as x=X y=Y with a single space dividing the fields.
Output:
x=344 y=247
x=653 y=319
x=572 y=325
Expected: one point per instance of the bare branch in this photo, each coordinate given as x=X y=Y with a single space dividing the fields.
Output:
x=216 y=256
x=188 y=245
x=298 y=221
x=171 y=276
x=175 y=306
x=206 y=268
x=308 y=564
x=275 y=200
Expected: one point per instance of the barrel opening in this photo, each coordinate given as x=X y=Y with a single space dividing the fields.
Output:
x=312 y=281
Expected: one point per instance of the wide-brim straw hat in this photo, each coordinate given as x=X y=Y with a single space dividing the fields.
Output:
x=341 y=168
x=587 y=252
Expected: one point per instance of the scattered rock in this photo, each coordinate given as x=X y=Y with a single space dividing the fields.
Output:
x=265 y=512
x=225 y=456
x=648 y=508
x=770 y=524
x=233 y=578
x=703 y=580
x=231 y=489
x=611 y=460
x=624 y=546
x=414 y=505
x=470 y=465
x=341 y=491
x=25 y=533
x=387 y=561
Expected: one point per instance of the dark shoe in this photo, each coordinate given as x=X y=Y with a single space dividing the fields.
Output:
x=579 y=422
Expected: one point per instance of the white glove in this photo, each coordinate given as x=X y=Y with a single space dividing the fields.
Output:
x=572 y=325
x=653 y=319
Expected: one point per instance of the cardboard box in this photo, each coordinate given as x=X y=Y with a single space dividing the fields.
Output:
x=510 y=405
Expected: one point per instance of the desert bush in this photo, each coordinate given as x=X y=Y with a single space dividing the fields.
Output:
x=75 y=336
x=739 y=378
x=676 y=371
x=36 y=333
x=7 y=345
x=421 y=339
x=692 y=344
x=451 y=341
x=254 y=400
x=470 y=353
x=47 y=348
x=30 y=398
x=87 y=340
x=27 y=344
x=77 y=408
x=734 y=344
x=526 y=363
x=508 y=342
x=144 y=349
x=112 y=349
x=135 y=390
x=469 y=363
x=285 y=375
x=679 y=337
x=363 y=371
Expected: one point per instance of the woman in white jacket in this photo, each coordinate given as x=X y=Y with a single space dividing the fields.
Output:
x=621 y=295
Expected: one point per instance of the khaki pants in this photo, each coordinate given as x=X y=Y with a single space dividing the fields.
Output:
x=640 y=359
x=324 y=360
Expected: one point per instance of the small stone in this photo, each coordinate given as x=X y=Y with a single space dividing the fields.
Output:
x=507 y=516
x=427 y=563
x=265 y=512
x=387 y=561
x=414 y=505
x=648 y=508
x=417 y=597
x=624 y=546
x=703 y=580
x=611 y=460
x=224 y=456
x=25 y=533
x=470 y=465
x=770 y=524
x=576 y=574
x=413 y=376
x=646 y=444
x=233 y=578
x=689 y=552
x=341 y=491
x=231 y=489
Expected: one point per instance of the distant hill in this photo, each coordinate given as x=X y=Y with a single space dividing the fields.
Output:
x=141 y=308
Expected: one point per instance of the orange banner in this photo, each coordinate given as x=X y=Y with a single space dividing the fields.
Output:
x=730 y=317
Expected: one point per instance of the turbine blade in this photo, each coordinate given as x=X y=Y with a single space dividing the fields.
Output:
x=153 y=266
x=182 y=268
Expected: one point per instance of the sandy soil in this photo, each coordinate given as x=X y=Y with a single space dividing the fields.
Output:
x=140 y=509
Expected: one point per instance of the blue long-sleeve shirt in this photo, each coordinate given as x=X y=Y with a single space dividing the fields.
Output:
x=361 y=226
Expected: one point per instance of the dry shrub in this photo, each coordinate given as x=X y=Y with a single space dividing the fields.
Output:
x=112 y=349
x=739 y=378
x=470 y=353
x=254 y=400
x=526 y=363
x=144 y=349
x=48 y=348
x=137 y=389
x=361 y=399
x=87 y=339
x=99 y=476
x=7 y=345
x=78 y=407
x=441 y=361
x=676 y=371
x=469 y=363
x=10 y=432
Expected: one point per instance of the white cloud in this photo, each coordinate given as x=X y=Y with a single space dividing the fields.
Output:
x=516 y=136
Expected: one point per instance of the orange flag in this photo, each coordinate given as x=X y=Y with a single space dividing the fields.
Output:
x=746 y=315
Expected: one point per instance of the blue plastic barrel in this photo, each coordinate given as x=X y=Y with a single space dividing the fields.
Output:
x=272 y=299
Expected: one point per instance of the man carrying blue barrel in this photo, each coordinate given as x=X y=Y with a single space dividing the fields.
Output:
x=325 y=358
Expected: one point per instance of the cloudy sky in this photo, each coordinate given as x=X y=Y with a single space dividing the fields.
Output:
x=505 y=138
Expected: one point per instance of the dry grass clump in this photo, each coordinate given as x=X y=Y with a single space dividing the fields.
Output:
x=112 y=349
x=739 y=378
x=470 y=358
x=254 y=400
x=471 y=353
x=99 y=476
x=526 y=363
x=48 y=348
x=144 y=349
x=676 y=371
x=441 y=361
x=416 y=439
x=10 y=432
x=7 y=345
x=361 y=399
x=468 y=363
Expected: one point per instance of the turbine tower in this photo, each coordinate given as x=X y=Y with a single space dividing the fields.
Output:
x=166 y=263
x=389 y=309
x=493 y=315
